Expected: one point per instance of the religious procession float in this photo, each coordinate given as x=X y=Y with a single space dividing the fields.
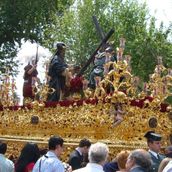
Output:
x=119 y=111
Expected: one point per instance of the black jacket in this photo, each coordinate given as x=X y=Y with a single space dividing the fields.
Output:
x=75 y=160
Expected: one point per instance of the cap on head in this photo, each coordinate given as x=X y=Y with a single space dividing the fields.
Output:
x=152 y=136
x=109 y=49
x=101 y=55
x=60 y=46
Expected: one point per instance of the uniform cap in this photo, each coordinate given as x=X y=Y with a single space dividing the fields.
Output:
x=151 y=135
x=61 y=45
x=101 y=55
x=109 y=49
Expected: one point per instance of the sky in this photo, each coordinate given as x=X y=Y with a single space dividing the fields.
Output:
x=28 y=51
x=161 y=9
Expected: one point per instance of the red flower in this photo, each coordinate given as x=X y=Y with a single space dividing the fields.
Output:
x=76 y=84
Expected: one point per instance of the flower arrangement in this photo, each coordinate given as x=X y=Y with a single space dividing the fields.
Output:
x=76 y=84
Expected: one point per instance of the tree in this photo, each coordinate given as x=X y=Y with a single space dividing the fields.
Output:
x=130 y=19
x=25 y=20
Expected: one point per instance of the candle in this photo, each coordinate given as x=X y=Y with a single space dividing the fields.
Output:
x=97 y=80
x=122 y=43
x=119 y=54
x=85 y=84
x=106 y=69
x=164 y=89
x=159 y=59
x=170 y=71
x=145 y=87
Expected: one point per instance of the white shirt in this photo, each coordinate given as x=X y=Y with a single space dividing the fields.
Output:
x=90 y=167
x=79 y=151
x=48 y=163
x=153 y=153
x=168 y=167
x=6 y=165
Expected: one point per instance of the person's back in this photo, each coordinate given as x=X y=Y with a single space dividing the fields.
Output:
x=50 y=161
x=97 y=156
x=6 y=165
x=76 y=157
x=168 y=167
x=163 y=164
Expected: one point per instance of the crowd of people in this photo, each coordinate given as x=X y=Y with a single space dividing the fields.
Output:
x=89 y=157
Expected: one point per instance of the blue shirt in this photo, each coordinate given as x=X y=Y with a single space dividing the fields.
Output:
x=48 y=163
x=6 y=165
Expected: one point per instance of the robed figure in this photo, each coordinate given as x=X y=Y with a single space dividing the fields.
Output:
x=30 y=78
x=57 y=72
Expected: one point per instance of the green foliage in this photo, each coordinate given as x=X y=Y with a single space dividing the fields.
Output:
x=129 y=19
x=47 y=22
x=25 y=20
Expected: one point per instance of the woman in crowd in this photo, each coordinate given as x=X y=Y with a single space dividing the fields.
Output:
x=28 y=157
x=122 y=159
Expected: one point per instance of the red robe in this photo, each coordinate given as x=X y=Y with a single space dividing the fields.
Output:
x=28 y=82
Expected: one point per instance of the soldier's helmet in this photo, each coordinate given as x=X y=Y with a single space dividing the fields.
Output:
x=60 y=46
x=109 y=49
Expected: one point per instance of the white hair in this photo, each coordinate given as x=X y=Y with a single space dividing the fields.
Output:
x=98 y=153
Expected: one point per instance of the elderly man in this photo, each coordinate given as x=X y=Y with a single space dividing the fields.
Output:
x=76 y=157
x=97 y=156
x=50 y=161
x=139 y=160
x=154 y=144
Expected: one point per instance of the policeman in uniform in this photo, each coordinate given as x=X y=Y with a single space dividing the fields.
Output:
x=154 y=144
x=57 y=72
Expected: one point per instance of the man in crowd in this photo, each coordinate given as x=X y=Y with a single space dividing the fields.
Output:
x=76 y=158
x=168 y=151
x=154 y=144
x=50 y=161
x=139 y=160
x=5 y=164
x=58 y=71
x=97 y=156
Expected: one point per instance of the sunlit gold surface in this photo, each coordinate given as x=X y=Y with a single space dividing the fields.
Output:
x=94 y=120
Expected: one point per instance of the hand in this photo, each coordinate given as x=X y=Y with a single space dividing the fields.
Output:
x=35 y=66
